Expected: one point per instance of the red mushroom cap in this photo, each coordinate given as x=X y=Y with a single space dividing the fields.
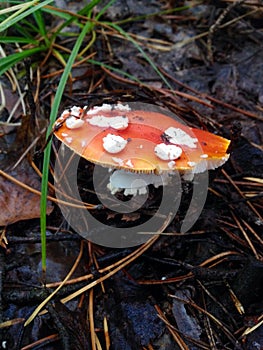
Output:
x=116 y=136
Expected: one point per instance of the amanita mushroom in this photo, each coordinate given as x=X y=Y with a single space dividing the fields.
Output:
x=139 y=144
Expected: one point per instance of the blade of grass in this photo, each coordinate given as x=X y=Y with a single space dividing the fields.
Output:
x=139 y=48
x=22 y=13
x=54 y=111
x=18 y=39
x=71 y=17
x=16 y=7
x=26 y=29
x=159 y=13
x=9 y=61
x=104 y=9
x=41 y=25
x=117 y=70
x=88 y=8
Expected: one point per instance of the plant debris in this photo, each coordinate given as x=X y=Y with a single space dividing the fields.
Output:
x=199 y=289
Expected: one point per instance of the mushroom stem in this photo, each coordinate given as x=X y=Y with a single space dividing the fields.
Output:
x=133 y=183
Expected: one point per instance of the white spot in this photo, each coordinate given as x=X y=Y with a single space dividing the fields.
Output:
x=167 y=152
x=179 y=137
x=141 y=146
x=117 y=160
x=65 y=112
x=121 y=107
x=171 y=164
x=104 y=108
x=83 y=143
x=75 y=111
x=64 y=134
x=74 y=123
x=129 y=163
x=118 y=122
x=68 y=139
x=191 y=164
x=133 y=183
x=114 y=143
x=204 y=156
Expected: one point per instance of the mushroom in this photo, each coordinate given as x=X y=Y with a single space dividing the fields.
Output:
x=140 y=146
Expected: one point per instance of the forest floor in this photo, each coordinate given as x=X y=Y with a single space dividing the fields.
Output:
x=200 y=289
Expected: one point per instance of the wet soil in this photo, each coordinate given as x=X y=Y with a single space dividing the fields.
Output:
x=201 y=289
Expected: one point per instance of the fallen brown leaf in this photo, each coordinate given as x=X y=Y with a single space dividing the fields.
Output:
x=17 y=203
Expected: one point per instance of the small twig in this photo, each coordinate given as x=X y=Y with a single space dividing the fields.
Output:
x=209 y=263
x=220 y=324
x=253 y=328
x=131 y=257
x=210 y=98
x=208 y=328
x=91 y=320
x=216 y=301
x=23 y=155
x=33 y=190
x=253 y=231
x=245 y=236
x=106 y=333
x=179 y=341
x=14 y=83
x=235 y=300
x=43 y=342
x=241 y=193
x=62 y=283
x=216 y=25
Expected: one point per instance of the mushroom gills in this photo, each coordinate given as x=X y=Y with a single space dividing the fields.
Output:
x=188 y=175
x=135 y=183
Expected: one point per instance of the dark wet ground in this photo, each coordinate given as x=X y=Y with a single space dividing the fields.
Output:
x=198 y=290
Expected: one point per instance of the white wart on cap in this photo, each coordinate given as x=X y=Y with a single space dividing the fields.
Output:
x=168 y=152
x=114 y=144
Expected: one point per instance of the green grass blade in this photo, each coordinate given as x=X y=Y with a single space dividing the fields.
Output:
x=53 y=115
x=17 y=39
x=104 y=9
x=9 y=61
x=25 y=29
x=117 y=70
x=56 y=13
x=138 y=47
x=40 y=23
x=159 y=13
x=22 y=13
x=17 y=7
x=88 y=8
